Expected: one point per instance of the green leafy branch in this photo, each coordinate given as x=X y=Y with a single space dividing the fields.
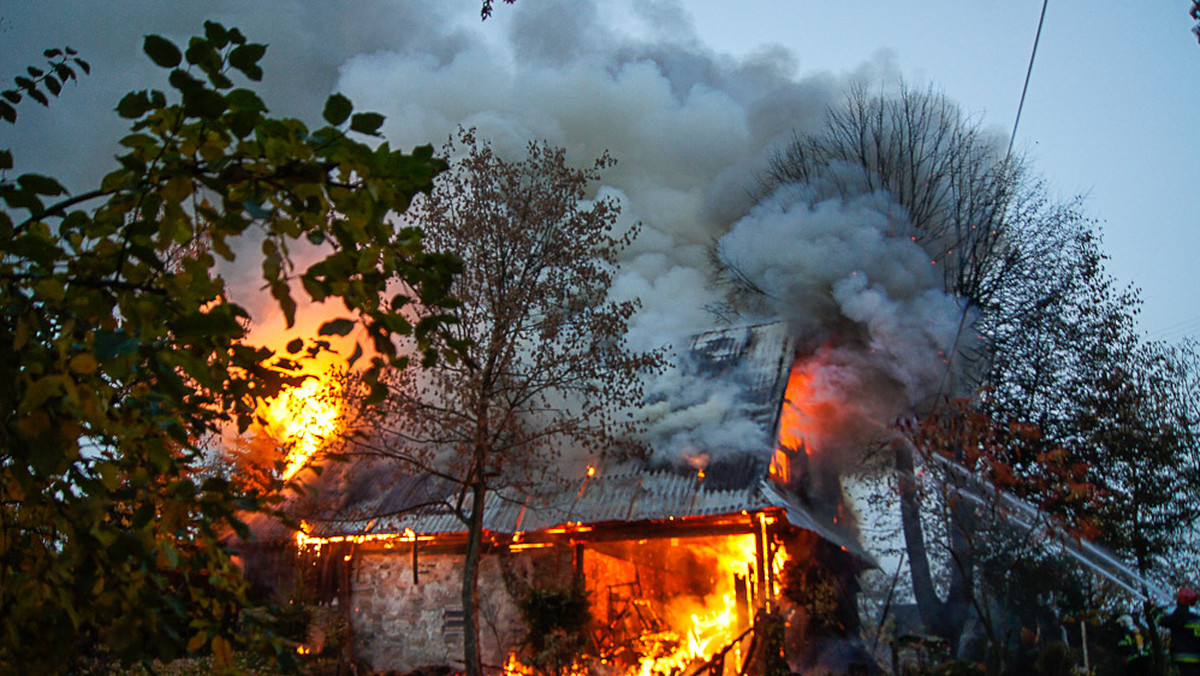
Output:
x=57 y=72
x=119 y=354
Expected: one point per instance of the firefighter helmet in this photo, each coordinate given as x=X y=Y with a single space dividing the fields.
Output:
x=1186 y=596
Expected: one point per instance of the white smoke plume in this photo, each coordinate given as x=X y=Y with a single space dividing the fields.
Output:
x=692 y=130
x=847 y=272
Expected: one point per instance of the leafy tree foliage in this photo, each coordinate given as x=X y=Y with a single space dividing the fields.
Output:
x=1068 y=363
x=1136 y=426
x=1122 y=405
x=982 y=483
x=546 y=367
x=1044 y=357
x=60 y=68
x=556 y=621
x=121 y=349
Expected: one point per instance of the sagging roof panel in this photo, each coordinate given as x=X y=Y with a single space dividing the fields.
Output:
x=627 y=495
x=759 y=357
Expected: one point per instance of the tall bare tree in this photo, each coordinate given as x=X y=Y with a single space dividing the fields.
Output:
x=546 y=368
x=1004 y=248
x=951 y=177
x=1011 y=255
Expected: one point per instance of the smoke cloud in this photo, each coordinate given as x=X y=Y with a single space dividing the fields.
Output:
x=692 y=129
x=846 y=271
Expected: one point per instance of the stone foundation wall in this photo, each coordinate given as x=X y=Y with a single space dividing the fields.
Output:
x=399 y=625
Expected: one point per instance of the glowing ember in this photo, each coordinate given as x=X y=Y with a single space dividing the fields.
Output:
x=303 y=418
x=305 y=541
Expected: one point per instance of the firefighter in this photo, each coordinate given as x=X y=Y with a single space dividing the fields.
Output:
x=1185 y=632
x=1134 y=648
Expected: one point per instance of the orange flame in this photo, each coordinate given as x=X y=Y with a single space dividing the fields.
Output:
x=795 y=425
x=696 y=628
x=701 y=627
x=793 y=422
x=305 y=541
x=303 y=418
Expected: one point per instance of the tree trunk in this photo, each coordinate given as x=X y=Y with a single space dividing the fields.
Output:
x=472 y=658
x=957 y=607
x=928 y=605
x=945 y=619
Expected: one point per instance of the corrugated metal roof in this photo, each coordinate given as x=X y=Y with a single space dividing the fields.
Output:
x=628 y=494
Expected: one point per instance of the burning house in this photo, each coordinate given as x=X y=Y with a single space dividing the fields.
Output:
x=676 y=560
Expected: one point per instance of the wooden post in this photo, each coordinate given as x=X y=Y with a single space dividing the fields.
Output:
x=769 y=563
x=760 y=557
x=578 y=574
x=416 y=575
x=742 y=596
x=347 y=603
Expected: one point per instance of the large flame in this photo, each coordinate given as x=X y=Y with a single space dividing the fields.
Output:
x=688 y=630
x=303 y=418
x=701 y=627
x=795 y=425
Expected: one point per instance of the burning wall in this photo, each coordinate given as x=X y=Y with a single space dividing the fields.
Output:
x=658 y=604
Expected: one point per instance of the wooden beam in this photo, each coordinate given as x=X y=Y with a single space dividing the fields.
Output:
x=716 y=526
x=760 y=560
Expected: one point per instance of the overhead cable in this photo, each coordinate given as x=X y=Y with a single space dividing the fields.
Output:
x=1028 y=72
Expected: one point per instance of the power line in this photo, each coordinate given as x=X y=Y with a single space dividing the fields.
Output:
x=1028 y=72
x=1178 y=330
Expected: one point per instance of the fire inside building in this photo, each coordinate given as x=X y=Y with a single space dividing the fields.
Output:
x=683 y=568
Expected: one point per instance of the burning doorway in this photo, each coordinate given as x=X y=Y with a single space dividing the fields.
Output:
x=667 y=605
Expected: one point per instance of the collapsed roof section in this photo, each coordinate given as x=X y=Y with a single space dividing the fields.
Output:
x=724 y=397
x=758 y=357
